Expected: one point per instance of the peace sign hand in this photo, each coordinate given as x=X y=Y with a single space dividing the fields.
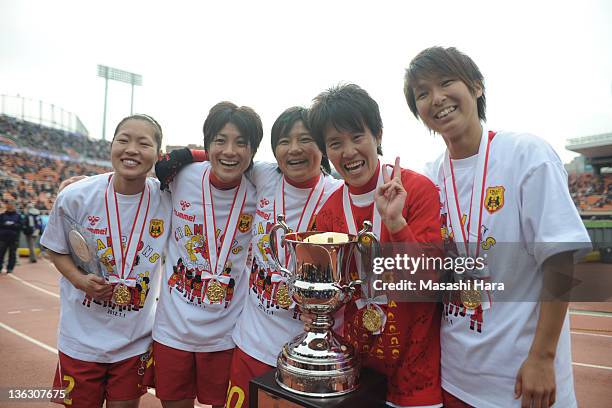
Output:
x=390 y=199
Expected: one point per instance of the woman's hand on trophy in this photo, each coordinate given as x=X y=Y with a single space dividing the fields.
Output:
x=390 y=199
x=95 y=286
x=70 y=181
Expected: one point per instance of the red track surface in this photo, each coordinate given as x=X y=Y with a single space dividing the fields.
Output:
x=29 y=312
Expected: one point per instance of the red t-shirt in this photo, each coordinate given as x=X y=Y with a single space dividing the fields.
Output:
x=408 y=349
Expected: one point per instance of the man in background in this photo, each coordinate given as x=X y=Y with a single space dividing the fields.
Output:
x=10 y=226
x=32 y=228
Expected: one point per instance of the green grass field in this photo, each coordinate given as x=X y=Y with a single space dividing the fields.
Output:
x=598 y=223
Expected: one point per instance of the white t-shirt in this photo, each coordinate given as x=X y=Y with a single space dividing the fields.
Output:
x=187 y=319
x=533 y=217
x=103 y=332
x=264 y=326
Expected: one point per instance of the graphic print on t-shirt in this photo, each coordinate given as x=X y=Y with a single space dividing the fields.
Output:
x=192 y=274
x=453 y=306
x=265 y=281
x=145 y=254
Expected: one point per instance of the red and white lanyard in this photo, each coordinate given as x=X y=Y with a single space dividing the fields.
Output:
x=217 y=257
x=312 y=203
x=347 y=203
x=463 y=233
x=124 y=259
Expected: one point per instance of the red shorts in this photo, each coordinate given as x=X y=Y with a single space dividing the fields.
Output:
x=243 y=369
x=450 y=401
x=183 y=375
x=88 y=384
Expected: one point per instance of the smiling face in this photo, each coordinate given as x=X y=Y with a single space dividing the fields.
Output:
x=134 y=150
x=447 y=107
x=353 y=154
x=229 y=154
x=297 y=154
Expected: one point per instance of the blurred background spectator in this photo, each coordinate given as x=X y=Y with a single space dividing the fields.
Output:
x=10 y=227
x=32 y=229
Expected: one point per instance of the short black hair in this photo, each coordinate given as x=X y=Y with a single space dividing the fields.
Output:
x=347 y=107
x=244 y=118
x=450 y=62
x=283 y=125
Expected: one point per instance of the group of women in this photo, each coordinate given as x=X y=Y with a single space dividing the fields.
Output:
x=224 y=311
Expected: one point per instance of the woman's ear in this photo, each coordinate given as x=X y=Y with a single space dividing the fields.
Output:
x=478 y=90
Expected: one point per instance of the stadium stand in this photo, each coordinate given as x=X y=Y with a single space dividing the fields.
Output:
x=592 y=189
x=591 y=192
x=30 y=135
x=35 y=159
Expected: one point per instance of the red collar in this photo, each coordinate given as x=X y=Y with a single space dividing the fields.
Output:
x=310 y=183
x=367 y=187
x=221 y=185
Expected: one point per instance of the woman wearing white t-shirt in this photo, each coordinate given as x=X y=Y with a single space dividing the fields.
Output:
x=297 y=187
x=504 y=195
x=105 y=322
x=205 y=280
x=294 y=186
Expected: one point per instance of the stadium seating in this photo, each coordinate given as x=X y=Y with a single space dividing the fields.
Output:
x=33 y=136
x=592 y=193
x=29 y=178
x=35 y=159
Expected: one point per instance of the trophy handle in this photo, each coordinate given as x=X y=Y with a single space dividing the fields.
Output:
x=367 y=241
x=280 y=224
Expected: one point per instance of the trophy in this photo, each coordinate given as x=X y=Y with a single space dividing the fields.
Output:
x=318 y=363
x=83 y=249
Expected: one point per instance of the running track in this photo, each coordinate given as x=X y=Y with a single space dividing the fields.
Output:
x=29 y=312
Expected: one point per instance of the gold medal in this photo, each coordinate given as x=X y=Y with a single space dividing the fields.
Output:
x=282 y=296
x=121 y=295
x=471 y=298
x=372 y=320
x=215 y=291
x=365 y=240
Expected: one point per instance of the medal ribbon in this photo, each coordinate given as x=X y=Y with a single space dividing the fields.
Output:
x=347 y=204
x=124 y=260
x=312 y=203
x=217 y=258
x=474 y=229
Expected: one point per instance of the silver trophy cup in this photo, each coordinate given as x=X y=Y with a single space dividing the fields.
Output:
x=318 y=363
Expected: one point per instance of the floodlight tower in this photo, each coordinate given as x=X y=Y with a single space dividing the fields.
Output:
x=121 y=76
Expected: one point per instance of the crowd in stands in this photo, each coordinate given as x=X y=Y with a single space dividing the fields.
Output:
x=29 y=135
x=590 y=192
x=29 y=178
x=34 y=159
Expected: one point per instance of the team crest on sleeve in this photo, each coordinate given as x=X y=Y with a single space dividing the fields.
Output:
x=494 y=199
x=156 y=228
x=244 y=225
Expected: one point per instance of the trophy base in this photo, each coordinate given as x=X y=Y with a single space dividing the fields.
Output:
x=318 y=365
x=265 y=392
